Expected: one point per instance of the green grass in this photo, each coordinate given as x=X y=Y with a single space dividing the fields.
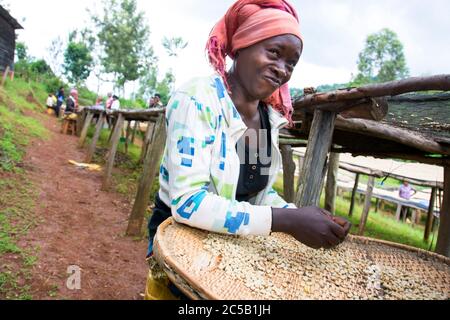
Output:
x=20 y=101
x=17 y=201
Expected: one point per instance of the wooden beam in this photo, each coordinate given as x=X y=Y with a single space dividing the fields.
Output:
x=443 y=241
x=361 y=170
x=392 y=155
x=150 y=170
x=5 y=75
x=384 y=131
x=430 y=215
x=398 y=212
x=367 y=203
x=84 y=132
x=133 y=135
x=367 y=108
x=112 y=152
x=331 y=185
x=352 y=201
x=319 y=144
x=127 y=136
x=98 y=130
x=301 y=161
x=112 y=121
x=147 y=140
x=288 y=173
x=393 y=88
x=80 y=121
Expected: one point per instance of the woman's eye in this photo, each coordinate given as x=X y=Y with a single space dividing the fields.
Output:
x=274 y=52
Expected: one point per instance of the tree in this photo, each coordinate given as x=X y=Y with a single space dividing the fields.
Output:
x=55 y=54
x=174 y=45
x=21 y=51
x=77 y=59
x=149 y=85
x=164 y=88
x=123 y=37
x=40 y=67
x=382 y=59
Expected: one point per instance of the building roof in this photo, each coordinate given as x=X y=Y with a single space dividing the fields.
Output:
x=8 y=18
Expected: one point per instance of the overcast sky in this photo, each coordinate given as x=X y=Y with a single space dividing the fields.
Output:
x=334 y=32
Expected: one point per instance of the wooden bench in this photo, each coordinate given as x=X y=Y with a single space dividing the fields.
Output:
x=69 y=126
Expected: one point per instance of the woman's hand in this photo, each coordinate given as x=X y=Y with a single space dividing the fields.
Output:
x=312 y=226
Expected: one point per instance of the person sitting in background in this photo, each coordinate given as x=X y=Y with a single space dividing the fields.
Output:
x=155 y=101
x=99 y=103
x=115 y=103
x=109 y=101
x=50 y=104
x=72 y=102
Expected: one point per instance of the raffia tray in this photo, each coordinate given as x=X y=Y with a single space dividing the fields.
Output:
x=206 y=265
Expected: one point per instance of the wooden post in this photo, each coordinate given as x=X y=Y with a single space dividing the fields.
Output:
x=134 y=131
x=300 y=167
x=319 y=143
x=288 y=173
x=112 y=152
x=98 y=130
x=127 y=136
x=84 y=132
x=113 y=127
x=398 y=212
x=377 y=204
x=5 y=75
x=80 y=121
x=331 y=186
x=147 y=140
x=367 y=202
x=443 y=241
x=430 y=215
x=150 y=170
x=413 y=217
x=355 y=189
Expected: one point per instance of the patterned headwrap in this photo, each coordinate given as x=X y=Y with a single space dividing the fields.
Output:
x=246 y=23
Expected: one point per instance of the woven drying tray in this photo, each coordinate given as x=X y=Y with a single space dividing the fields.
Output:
x=206 y=265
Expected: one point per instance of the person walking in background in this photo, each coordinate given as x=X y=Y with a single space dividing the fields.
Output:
x=405 y=192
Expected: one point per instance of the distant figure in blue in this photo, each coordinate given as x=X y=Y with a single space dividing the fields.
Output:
x=60 y=100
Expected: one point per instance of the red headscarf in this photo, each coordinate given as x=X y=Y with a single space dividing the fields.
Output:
x=246 y=23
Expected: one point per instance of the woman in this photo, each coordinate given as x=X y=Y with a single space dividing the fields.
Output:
x=222 y=158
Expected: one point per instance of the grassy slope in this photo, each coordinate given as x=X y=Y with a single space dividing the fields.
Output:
x=18 y=102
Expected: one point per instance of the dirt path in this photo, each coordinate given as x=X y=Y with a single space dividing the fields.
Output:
x=81 y=226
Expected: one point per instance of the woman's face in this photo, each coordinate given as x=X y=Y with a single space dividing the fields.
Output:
x=263 y=67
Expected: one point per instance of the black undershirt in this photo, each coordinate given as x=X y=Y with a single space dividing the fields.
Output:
x=252 y=179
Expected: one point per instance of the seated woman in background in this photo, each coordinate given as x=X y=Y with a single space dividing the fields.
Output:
x=222 y=157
